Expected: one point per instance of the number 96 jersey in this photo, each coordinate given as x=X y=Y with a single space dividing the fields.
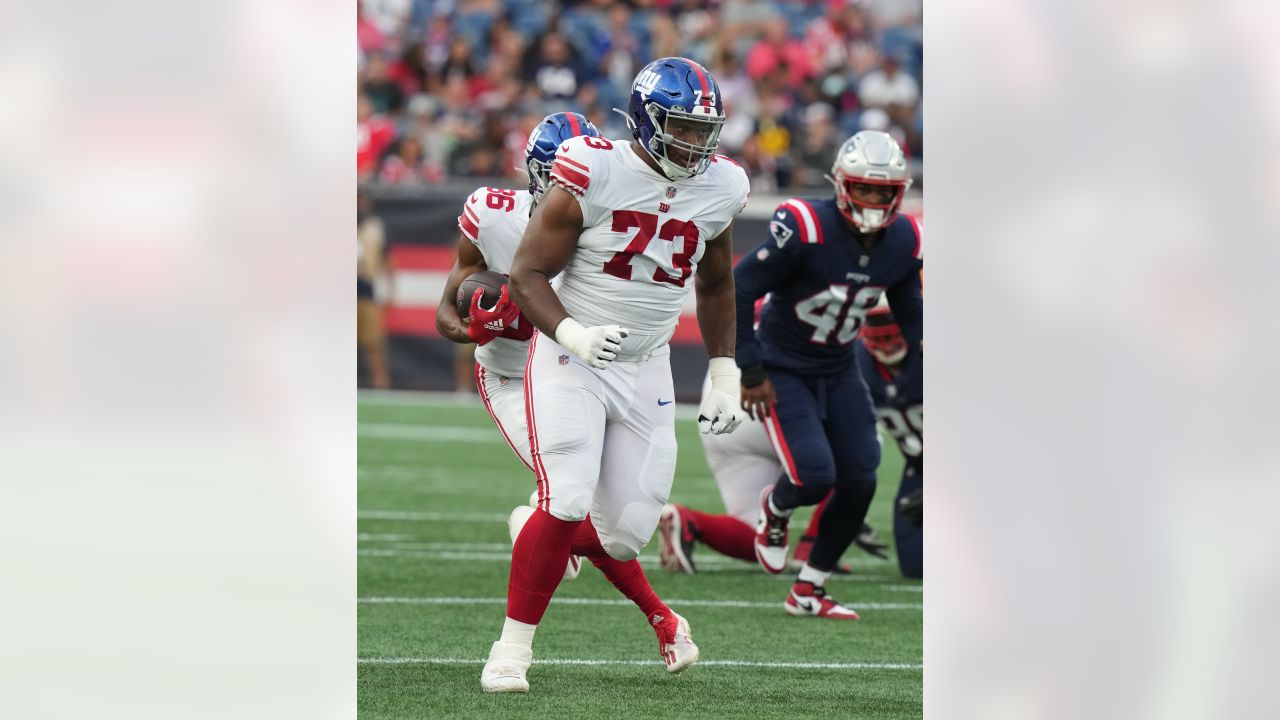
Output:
x=642 y=235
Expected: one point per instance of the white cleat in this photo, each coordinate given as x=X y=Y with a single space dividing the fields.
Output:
x=675 y=642
x=515 y=523
x=505 y=669
x=771 y=537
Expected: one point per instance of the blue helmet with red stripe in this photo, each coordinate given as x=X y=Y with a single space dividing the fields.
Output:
x=676 y=113
x=540 y=151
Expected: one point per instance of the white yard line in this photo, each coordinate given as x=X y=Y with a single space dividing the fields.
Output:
x=420 y=516
x=629 y=663
x=726 y=565
x=429 y=433
x=619 y=601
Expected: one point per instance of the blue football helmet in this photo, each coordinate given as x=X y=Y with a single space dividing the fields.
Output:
x=540 y=151
x=676 y=113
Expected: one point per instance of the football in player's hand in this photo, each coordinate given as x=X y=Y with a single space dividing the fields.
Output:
x=489 y=281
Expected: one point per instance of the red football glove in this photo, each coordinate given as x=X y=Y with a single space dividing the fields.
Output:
x=485 y=325
x=521 y=329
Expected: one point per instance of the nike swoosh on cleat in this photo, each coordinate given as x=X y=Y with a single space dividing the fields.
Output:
x=665 y=402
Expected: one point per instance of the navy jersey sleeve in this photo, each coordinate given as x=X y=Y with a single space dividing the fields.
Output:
x=907 y=304
x=758 y=273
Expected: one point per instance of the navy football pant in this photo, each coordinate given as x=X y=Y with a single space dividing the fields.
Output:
x=824 y=430
x=908 y=536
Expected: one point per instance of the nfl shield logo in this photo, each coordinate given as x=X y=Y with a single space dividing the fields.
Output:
x=564 y=359
x=671 y=191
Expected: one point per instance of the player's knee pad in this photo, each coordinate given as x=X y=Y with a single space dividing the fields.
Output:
x=569 y=504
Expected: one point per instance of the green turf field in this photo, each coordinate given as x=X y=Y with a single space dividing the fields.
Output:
x=436 y=482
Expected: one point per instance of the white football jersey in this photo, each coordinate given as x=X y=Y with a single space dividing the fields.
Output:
x=642 y=235
x=494 y=219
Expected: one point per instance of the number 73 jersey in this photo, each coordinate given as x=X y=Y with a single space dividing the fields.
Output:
x=821 y=281
x=642 y=235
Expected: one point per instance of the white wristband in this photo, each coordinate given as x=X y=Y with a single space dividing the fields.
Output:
x=569 y=332
x=723 y=370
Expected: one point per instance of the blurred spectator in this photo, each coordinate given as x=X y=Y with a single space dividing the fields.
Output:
x=777 y=47
x=740 y=102
x=553 y=70
x=374 y=134
x=408 y=165
x=819 y=141
x=371 y=276
x=889 y=88
x=382 y=91
x=389 y=16
x=369 y=38
x=457 y=63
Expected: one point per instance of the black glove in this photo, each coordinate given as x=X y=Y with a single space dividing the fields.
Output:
x=867 y=540
x=912 y=506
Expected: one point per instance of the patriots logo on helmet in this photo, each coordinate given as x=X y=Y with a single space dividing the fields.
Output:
x=780 y=232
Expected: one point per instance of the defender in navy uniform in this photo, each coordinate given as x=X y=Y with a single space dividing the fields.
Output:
x=899 y=399
x=826 y=264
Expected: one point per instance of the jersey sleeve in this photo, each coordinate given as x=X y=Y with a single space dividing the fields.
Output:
x=583 y=170
x=469 y=220
x=759 y=272
x=737 y=191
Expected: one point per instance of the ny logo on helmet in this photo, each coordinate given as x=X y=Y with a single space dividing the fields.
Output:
x=647 y=81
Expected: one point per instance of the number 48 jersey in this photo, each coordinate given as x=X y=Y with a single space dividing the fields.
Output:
x=821 y=282
x=642 y=235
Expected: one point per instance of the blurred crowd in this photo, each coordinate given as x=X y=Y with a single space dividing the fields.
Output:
x=451 y=88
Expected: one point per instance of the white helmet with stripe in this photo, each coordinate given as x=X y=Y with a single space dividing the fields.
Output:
x=871 y=178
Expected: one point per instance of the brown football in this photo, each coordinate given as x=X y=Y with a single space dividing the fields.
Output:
x=491 y=282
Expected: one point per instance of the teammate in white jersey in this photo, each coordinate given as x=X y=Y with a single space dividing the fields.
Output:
x=624 y=226
x=491 y=223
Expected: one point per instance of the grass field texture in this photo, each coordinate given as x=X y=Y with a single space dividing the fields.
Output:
x=436 y=483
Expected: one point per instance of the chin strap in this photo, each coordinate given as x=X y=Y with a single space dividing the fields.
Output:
x=631 y=124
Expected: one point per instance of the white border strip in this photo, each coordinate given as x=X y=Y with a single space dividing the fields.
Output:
x=629 y=663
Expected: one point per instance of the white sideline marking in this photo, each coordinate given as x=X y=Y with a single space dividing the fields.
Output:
x=421 y=398
x=701 y=663
x=727 y=565
x=605 y=601
x=431 y=516
x=905 y=588
x=429 y=433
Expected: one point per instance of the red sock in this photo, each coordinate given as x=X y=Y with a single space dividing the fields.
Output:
x=725 y=534
x=627 y=576
x=537 y=565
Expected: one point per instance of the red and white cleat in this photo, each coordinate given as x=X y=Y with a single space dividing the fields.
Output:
x=675 y=541
x=807 y=599
x=771 y=537
x=675 y=643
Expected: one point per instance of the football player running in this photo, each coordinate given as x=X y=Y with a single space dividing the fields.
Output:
x=899 y=401
x=491 y=224
x=827 y=263
x=624 y=226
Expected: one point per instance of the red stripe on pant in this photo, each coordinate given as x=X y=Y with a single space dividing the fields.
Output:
x=484 y=395
x=774 y=428
x=538 y=470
